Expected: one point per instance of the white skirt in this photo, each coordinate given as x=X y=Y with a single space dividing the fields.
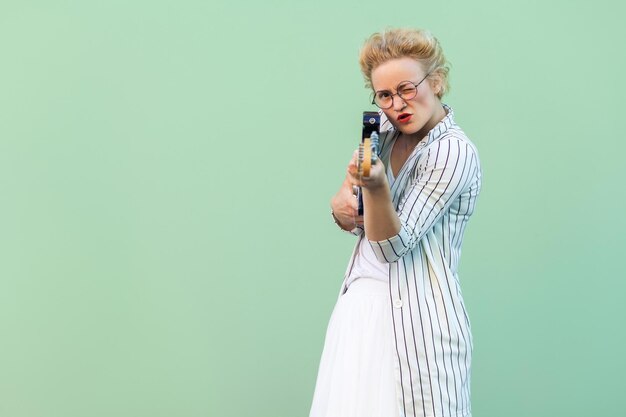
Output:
x=356 y=372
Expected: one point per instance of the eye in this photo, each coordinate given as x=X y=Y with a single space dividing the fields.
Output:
x=382 y=95
x=405 y=89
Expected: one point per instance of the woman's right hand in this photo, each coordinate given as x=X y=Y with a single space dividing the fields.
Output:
x=345 y=206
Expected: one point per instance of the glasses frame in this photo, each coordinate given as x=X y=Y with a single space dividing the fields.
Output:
x=398 y=93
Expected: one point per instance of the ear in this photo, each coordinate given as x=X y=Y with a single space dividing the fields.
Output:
x=437 y=84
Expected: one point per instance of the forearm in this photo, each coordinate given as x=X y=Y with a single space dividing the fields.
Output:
x=381 y=220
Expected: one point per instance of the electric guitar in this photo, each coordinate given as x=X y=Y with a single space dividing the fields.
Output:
x=368 y=150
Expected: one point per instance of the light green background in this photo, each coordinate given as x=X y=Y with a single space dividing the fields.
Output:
x=166 y=169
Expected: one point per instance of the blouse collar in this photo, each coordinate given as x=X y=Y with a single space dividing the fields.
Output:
x=440 y=128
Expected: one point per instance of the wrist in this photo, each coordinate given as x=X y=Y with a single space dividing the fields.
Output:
x=380 y=187
x=337 y=222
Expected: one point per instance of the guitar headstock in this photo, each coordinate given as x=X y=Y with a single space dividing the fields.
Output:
x=368 y=148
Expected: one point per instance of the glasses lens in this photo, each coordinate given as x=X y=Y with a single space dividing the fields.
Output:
x=383 y=99
x=407 y=90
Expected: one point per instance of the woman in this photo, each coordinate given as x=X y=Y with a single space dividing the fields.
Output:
x=398 y=342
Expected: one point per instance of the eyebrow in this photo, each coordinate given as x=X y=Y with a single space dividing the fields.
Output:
x=389 y=91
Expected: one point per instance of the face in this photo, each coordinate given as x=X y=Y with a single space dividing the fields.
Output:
x=415 y=116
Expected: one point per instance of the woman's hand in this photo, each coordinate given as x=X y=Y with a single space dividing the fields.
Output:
x=345 y=207
x=381 y=220
x=345 y=204
x=377 y=178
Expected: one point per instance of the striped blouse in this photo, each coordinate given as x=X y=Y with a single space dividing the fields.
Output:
x=434 y=195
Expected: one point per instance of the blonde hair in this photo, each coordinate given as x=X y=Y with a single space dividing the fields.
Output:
x=418 y=44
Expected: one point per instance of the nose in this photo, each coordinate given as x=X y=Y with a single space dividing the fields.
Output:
x=398 y=103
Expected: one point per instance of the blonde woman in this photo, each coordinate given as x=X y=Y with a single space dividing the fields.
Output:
x=399 y=341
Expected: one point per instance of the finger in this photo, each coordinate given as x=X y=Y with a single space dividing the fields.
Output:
x=355 y=157
x=355 y=181
x=353 y=173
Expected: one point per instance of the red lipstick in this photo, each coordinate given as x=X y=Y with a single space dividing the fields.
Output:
x=404 y=118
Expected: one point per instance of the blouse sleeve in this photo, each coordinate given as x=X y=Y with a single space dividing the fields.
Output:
x=444 y=171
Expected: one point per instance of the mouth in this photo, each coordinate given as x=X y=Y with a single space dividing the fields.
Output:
x=404 y=117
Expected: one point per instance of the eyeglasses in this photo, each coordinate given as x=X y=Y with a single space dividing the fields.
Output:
x=406 y=90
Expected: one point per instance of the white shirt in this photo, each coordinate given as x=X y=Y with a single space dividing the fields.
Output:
x=434 y=195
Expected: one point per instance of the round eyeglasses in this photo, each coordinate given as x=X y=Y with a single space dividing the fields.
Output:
x=406 y=90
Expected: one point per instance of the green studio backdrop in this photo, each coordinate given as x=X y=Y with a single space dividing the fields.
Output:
x=166 y=170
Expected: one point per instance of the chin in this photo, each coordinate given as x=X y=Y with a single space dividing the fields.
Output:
x=409 y=130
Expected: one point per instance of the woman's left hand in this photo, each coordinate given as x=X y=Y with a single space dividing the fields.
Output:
x=376 y=179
